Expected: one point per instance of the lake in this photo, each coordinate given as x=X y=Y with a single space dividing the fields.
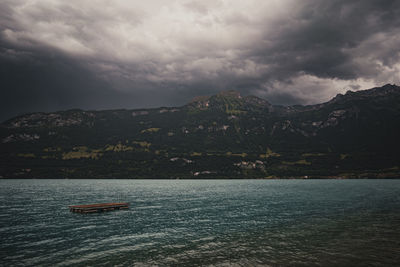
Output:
x=201 y=222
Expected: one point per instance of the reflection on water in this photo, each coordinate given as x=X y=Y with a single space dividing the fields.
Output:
x=256 y=222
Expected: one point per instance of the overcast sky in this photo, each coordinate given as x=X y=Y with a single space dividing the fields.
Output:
x=89 y=54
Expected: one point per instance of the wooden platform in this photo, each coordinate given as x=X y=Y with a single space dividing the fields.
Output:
x=91 y=208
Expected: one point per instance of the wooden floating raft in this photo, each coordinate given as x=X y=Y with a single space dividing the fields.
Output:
x=98 y=207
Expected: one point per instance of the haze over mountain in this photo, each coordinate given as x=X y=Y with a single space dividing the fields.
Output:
x=102 y=54
x=220 y=136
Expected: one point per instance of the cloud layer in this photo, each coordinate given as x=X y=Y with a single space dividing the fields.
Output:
x=58 y=54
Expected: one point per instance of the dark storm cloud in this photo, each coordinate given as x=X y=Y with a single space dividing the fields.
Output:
x=339 y=42
x=48 y=80
x=100 y=54
x=325 y=39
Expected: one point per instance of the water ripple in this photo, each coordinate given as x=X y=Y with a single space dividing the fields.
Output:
x=201 y=223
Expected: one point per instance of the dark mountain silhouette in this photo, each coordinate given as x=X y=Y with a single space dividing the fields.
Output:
x=355 y=135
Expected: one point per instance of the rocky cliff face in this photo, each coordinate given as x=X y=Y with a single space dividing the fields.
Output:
x=225 y=135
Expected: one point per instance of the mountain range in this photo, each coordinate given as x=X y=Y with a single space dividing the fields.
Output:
x=354 y=135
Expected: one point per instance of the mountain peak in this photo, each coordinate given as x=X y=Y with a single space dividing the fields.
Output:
x=230 y=93
x=226 y=93
x=387 y=88
x=382 y=91
x=229 y=101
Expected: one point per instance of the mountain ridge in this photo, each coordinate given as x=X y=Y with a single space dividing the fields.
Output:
x=221 y=136
x=203 y=99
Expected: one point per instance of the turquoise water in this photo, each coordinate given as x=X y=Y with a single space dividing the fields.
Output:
x=205 y=222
